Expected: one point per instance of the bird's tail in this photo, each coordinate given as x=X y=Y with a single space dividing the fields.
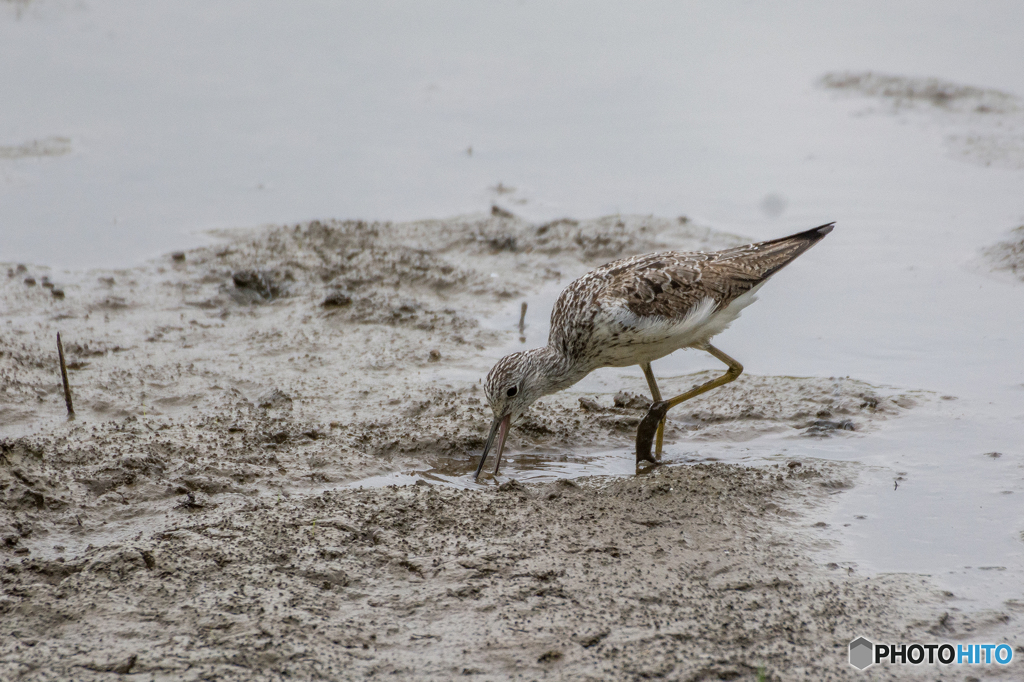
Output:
x=762 y=260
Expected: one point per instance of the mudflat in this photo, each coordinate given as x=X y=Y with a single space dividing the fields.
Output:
x=199 y=518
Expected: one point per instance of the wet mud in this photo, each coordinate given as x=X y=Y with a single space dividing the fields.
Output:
x=1008 y=255
x=50 y=146
x=688 y=573
x=194 y=521
x=983 y=125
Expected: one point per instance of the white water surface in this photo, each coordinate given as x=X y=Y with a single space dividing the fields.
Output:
x=160 y=121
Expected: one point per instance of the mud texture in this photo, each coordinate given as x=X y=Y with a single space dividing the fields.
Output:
x=50 y=146
x=907 y=92
x=983 y=126
x=193 y=521
x=1009 y=255
x=689 y=573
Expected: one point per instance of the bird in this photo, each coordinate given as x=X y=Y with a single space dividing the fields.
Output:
x=634 y=311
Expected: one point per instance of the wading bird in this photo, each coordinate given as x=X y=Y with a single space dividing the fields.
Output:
x=632 y=312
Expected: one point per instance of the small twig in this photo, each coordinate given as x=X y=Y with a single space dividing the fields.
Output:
x=522 y=318
x=64 y=377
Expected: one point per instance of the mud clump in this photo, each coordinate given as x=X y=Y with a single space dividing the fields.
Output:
x=336 y=299
x=1009 y=255
x=274 y=399
x=255 y=286
x=904 y=91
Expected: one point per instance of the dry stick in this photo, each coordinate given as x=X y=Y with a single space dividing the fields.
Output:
x=64 y=377
x=522 y=318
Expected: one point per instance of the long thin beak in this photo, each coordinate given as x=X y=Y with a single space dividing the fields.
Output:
x=499 y=428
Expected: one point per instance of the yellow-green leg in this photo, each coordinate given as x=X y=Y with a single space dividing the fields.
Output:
x=652 y=424
x=735 y=369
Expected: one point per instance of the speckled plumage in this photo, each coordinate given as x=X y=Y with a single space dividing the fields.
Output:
x=636 y=310
x=661 y=288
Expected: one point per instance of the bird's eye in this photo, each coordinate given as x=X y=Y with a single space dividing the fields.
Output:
x=512 y=391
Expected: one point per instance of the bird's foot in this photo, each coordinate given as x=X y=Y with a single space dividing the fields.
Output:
x=647 y=430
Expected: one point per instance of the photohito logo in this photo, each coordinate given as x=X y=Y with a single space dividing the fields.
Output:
x=864 y=654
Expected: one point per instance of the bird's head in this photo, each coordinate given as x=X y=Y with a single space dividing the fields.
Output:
x=513 y=384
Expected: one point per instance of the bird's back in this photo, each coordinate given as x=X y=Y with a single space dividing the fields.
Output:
x=654 y=301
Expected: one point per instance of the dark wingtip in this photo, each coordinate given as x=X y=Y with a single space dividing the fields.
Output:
x=812 y=235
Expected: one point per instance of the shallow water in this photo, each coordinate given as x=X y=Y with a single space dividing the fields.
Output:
x=708 y=112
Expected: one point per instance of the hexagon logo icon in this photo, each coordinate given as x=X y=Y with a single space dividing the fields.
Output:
x=861 y=653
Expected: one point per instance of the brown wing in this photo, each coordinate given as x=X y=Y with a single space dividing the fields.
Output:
x=668 y=284
x=671 y=284
x=660 y=284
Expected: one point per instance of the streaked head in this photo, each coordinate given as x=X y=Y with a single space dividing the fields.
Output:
x=513 y=384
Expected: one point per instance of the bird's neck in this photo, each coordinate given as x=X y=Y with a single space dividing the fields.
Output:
x=558 y=371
